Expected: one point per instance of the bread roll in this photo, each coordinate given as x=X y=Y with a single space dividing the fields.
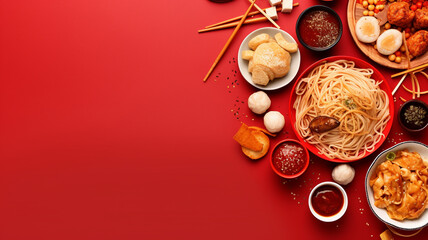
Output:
x=257 y=40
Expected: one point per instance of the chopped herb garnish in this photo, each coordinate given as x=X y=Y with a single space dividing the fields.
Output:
x=390 y=156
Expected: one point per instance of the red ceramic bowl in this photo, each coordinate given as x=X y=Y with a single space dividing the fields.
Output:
x=289 y=158
x=361 y=64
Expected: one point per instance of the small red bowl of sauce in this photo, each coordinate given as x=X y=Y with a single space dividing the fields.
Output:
x=289 y=158
x=328 y=201
x=319 y=28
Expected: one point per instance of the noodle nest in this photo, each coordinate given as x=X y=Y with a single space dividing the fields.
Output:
x=341 y=90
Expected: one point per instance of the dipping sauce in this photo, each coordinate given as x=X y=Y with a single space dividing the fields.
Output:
x=327 y=200
x=289 y=158
x=319 y=28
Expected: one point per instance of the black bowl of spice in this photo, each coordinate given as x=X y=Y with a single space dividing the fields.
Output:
x=413 y=115
x=319 y=28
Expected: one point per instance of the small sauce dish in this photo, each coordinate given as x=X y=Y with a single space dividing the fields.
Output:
x=328 y=201
x=289 y=158
x=319 y=28
x=413 y=115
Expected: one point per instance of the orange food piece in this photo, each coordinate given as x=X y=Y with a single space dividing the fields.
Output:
x=264 y=140
x=253 y=140
x=246 y=138
x=386 y=235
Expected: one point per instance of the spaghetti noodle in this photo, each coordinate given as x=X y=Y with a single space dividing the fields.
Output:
x=341 y=90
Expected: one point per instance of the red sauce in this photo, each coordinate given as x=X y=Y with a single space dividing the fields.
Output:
x=327 y=200
x=319 y=28
x=289 y=158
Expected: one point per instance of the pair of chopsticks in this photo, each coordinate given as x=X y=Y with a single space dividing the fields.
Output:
x=238 y=26
x=232 y=22
x=230 y=39
x=410 y=70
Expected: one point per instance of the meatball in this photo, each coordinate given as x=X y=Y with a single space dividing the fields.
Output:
x=418 y=43
x=421 y=18
x=399 y=14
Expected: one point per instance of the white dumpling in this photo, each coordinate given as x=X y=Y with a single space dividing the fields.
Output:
x=274 y=121
x=343 y=174
x=259 y=102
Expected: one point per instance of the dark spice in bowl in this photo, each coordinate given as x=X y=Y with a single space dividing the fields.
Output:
x=414 y=115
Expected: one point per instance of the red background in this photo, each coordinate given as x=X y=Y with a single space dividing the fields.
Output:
x=107 y=130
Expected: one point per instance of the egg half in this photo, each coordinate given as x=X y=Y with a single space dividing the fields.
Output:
x=389 y=42
x=367 y=29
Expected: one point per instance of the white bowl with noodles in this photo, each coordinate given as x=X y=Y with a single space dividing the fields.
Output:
x=380 y=213
x=277 y=82
x=383 y=85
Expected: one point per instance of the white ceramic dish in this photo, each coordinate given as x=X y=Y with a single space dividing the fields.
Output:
x=278 y=82
x=407 y=225
x=338 y=215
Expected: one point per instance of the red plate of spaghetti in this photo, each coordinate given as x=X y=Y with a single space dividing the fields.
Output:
x=355 y=95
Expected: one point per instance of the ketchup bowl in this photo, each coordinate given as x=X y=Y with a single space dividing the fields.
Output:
x=289 y=158
x=328 y=201
x=319 y=28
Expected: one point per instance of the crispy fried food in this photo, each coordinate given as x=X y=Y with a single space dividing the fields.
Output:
x=421 y=18
x=386 y=235
x=418 y=43
x=264 y=140
x=401 y=187
x=253 y=140
x=246 y=138
x=399 y=14
x=263 y=130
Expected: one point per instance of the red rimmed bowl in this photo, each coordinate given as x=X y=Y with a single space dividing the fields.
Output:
x=289 y=158
x=376 y=76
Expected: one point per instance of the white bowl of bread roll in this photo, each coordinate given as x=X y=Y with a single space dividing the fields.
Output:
x=269 y=58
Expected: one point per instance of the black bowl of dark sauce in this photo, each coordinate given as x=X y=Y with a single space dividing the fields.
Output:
x=413 y=115
x=319 y=28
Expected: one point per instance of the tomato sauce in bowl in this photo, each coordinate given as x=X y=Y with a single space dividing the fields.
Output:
x=289 y=158
x=328 y=201
x=319 y=28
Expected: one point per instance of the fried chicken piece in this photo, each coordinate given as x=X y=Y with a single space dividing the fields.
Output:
x=421 y=18
x=399 y=14
x=418 y=43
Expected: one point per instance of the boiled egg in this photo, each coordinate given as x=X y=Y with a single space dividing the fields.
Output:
x=389 y=41
x=367 y=29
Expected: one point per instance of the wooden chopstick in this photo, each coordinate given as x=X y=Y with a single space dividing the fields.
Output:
x=410 y=70
x=278 y=9
x=237 y=18
x=399 y=84
x=233 y=24
x=406 y=49
x=267 y=16
x=229 y=40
